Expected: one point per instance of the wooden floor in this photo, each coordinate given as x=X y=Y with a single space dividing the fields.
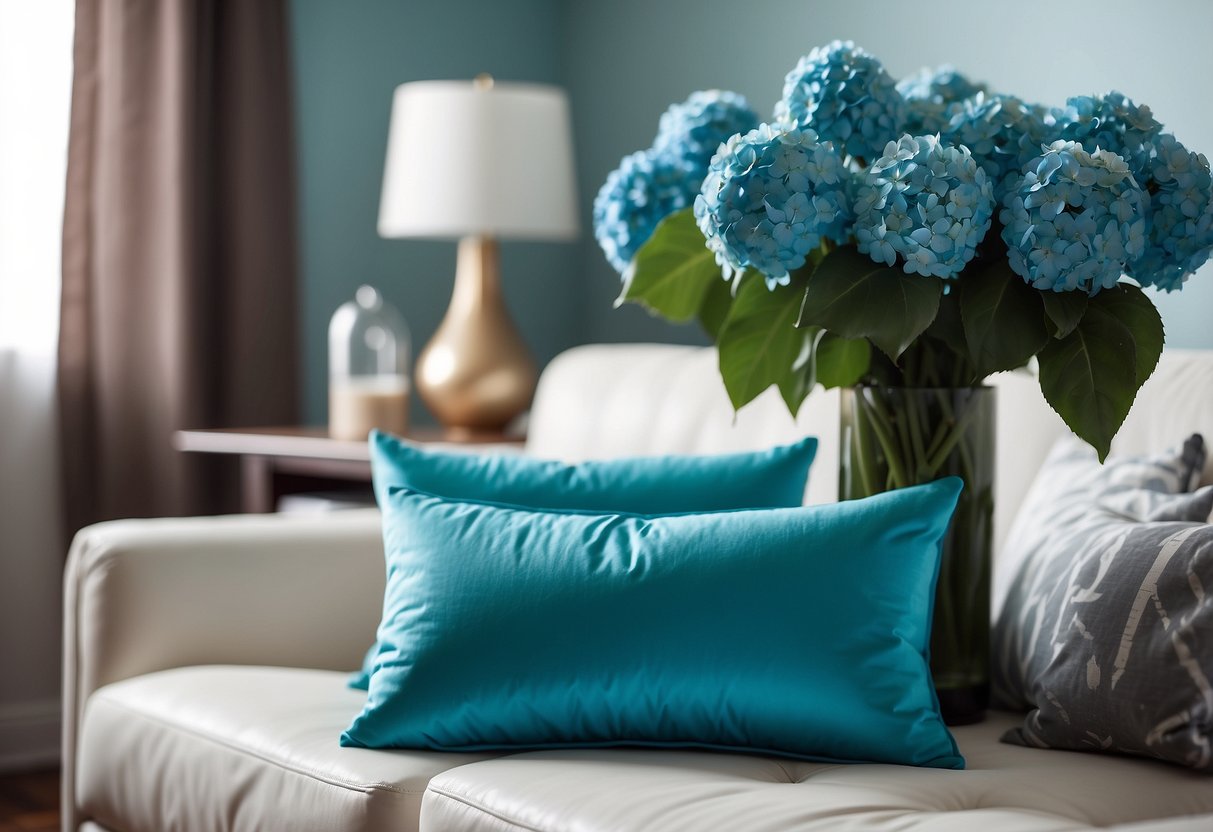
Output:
x=29 y=802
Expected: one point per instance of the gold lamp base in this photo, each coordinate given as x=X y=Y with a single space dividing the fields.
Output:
x=476 y=373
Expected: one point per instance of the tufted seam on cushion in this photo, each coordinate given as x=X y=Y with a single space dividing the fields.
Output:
x=787 y=774
x=480 y=807
x=265 y=758
x=816 y=772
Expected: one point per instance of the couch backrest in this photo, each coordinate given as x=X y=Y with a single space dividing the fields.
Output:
x=612 y=400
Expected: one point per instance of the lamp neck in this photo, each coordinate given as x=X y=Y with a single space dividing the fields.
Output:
x=477 y=274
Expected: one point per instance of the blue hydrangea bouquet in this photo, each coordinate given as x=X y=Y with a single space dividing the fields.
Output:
x=904 y=241
x=919 y=234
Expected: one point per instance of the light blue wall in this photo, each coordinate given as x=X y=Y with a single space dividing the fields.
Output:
x=349 y=57
x=623 y=62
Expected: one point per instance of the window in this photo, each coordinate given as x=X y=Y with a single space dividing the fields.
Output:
x=35 y=94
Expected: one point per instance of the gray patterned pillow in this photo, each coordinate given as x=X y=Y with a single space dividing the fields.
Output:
x=1106 y=635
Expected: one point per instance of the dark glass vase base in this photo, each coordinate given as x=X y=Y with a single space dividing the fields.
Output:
x=964 y=706
x=894 y=437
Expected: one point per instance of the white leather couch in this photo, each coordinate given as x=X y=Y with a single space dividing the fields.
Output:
x=205 y=661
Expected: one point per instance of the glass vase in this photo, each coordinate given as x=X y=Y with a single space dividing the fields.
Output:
x=893 y=437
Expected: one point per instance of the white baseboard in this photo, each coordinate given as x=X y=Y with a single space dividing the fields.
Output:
x=29 y=735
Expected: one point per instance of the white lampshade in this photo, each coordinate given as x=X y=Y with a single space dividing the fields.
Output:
x=474 y=158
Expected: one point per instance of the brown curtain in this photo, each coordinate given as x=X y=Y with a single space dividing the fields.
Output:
x=179 y=258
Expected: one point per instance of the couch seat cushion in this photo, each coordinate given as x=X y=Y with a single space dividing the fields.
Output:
x=242 y=748
x=1005 y=788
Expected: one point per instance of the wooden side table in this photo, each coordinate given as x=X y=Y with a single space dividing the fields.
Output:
x=289 y=460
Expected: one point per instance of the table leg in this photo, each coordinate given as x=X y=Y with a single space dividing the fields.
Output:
x=256 y=484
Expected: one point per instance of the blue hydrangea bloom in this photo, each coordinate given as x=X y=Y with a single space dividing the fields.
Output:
x=844 y=95
x=1074 y=219
x=770 y=197
x=635 y=197
x=1180 y=237
x=931 y=94
x=1002 y=132
x=1109 y=122
x=926 y=202
x=695 y=128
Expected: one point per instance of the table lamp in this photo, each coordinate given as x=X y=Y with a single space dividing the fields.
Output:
x=478 y=161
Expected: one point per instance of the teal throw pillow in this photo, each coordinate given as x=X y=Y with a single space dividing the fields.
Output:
x=771 y=478
x=799 y=632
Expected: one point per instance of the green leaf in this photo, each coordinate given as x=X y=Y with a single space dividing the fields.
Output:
x=852 y=296
x=947 y=326
x=945 y=351
x=1090 y=377
x=673 y=271
x=715 y=306
x=759 y=344
x=1003 y=317
x=1129 y=305
x=842 y=362
x=1063 y=311
x=795 y=387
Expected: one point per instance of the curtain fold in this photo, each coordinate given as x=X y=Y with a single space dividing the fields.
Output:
x=179 y=305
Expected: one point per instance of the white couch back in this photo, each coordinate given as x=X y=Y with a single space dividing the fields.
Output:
x=612 y=400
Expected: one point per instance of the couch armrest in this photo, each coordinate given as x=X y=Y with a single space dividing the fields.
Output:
x=146 y=595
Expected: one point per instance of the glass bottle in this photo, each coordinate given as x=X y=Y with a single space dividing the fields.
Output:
x=369 y=353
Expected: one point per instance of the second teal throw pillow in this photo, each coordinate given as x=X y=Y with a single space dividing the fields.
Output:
x=772 y=478
x=799 y=632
